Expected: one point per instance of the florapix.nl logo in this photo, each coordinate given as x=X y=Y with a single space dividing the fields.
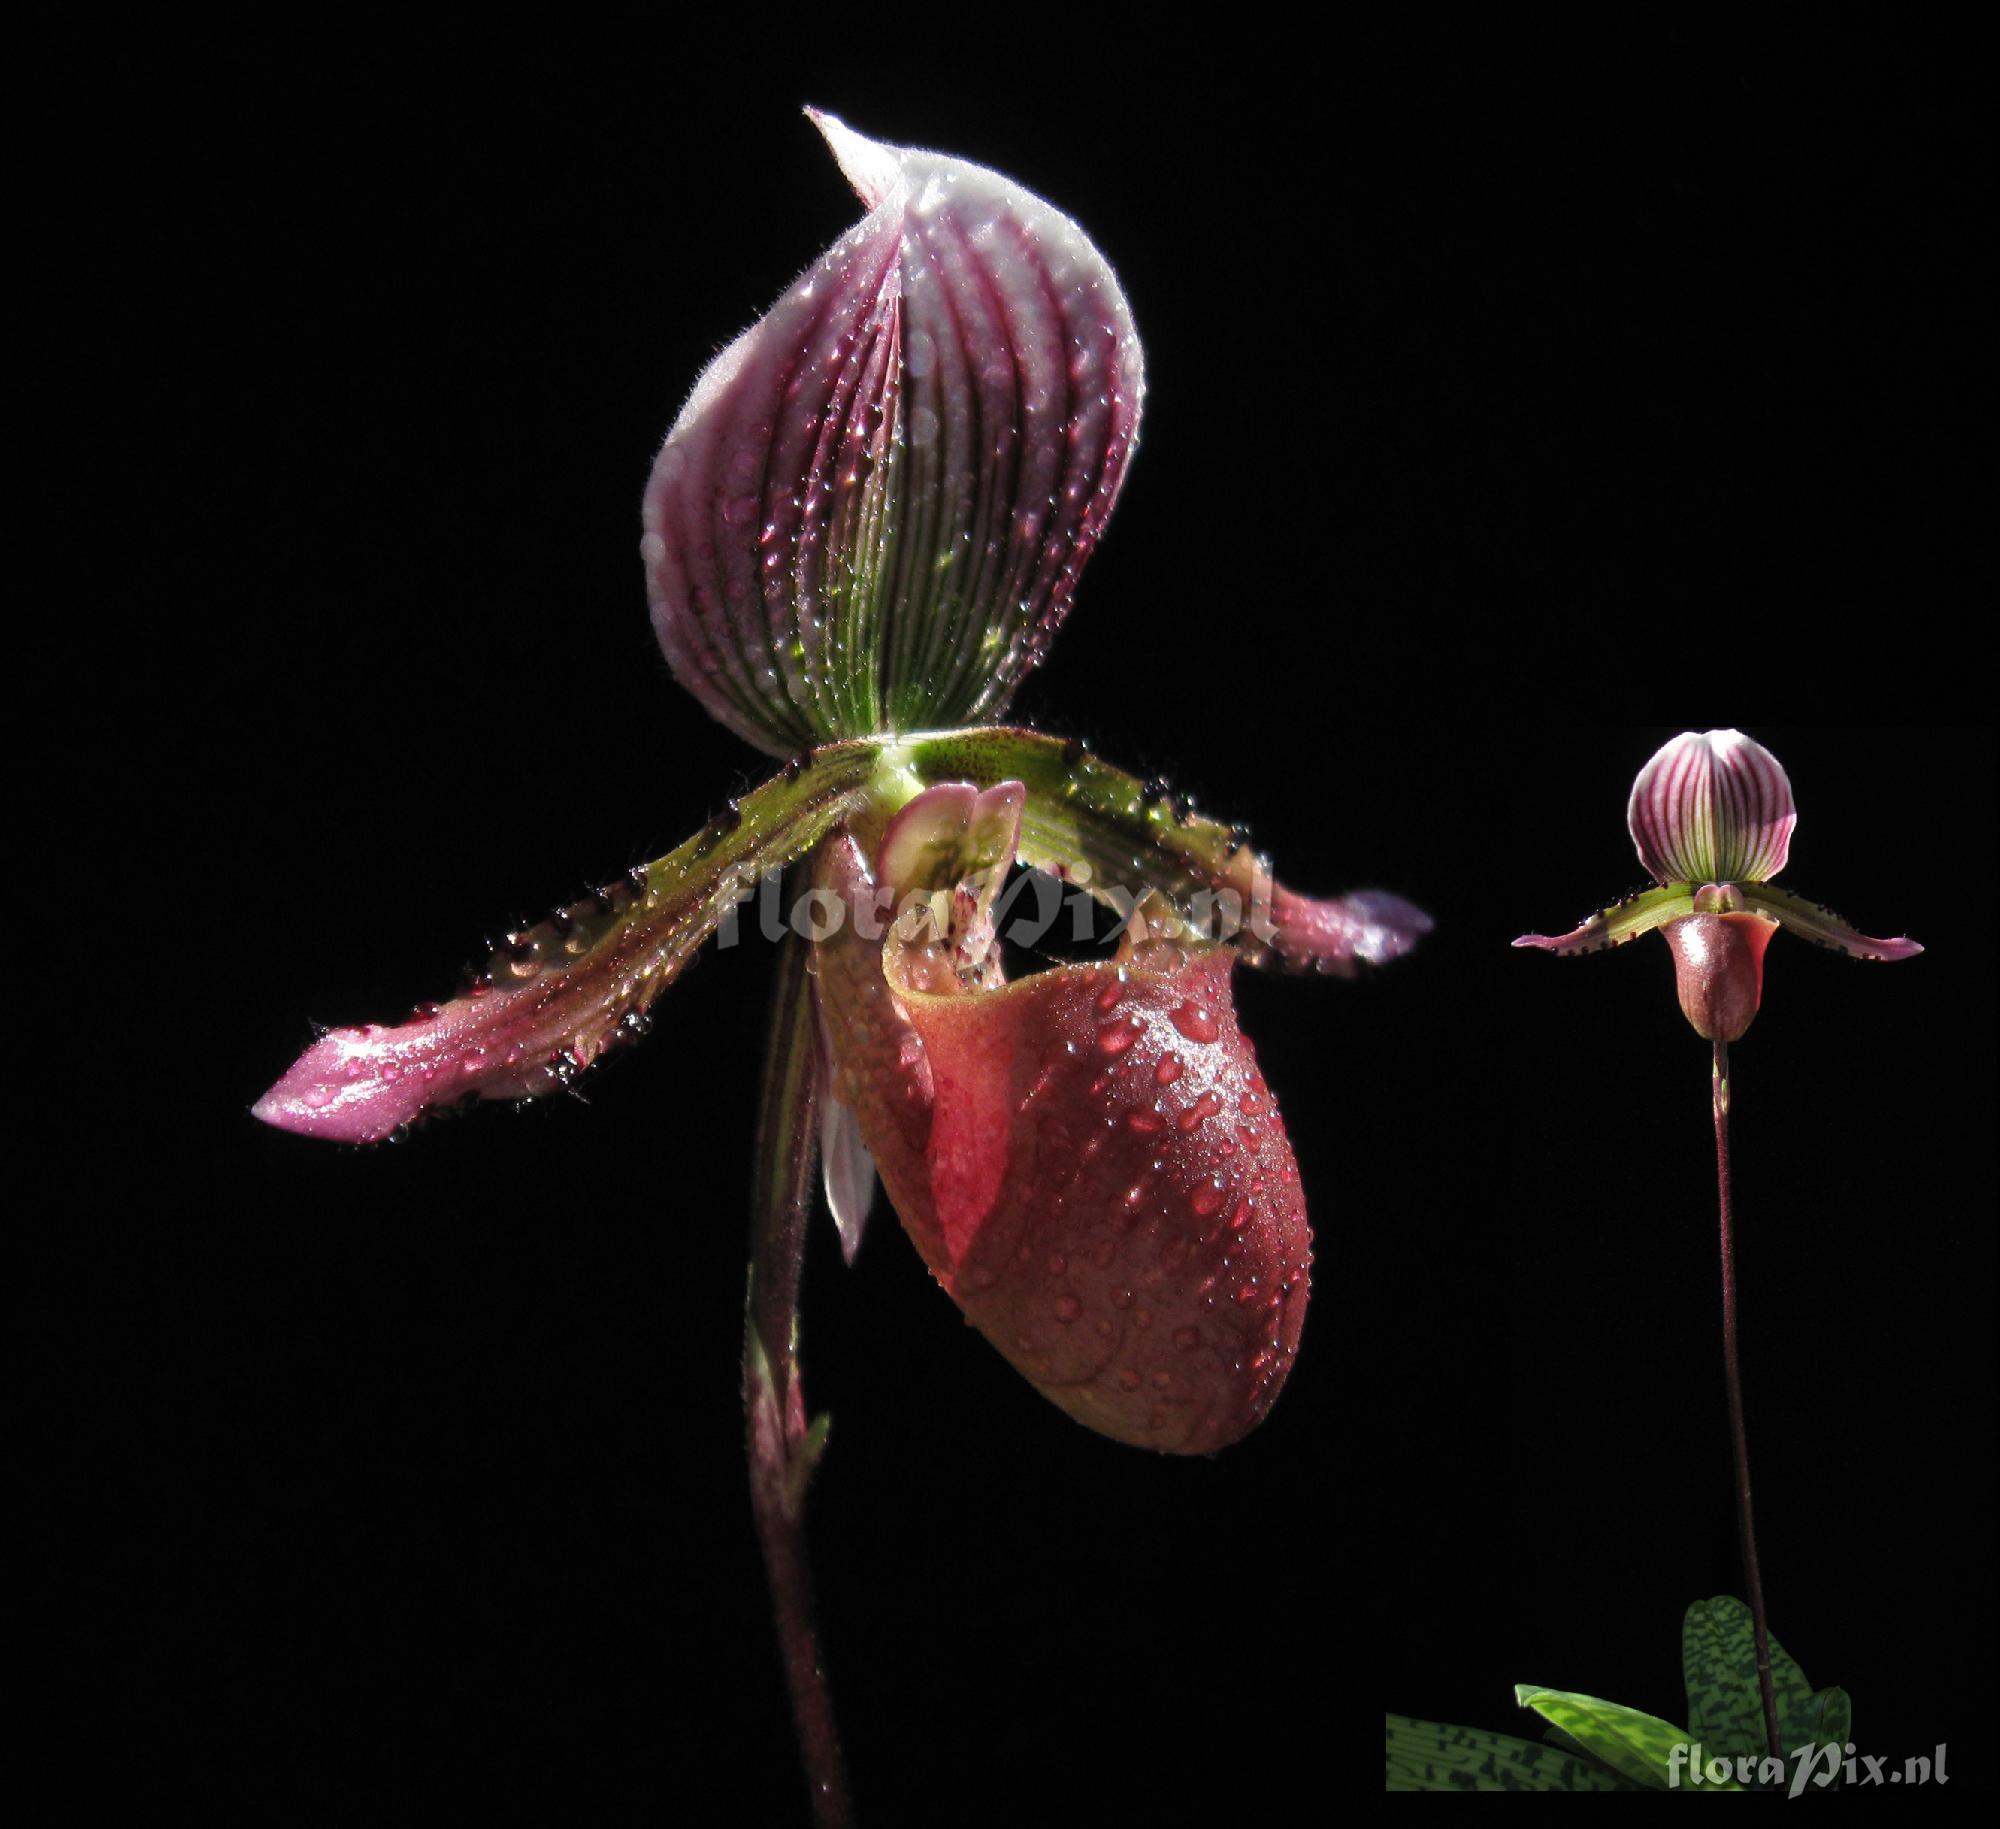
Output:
x=1814 y=1767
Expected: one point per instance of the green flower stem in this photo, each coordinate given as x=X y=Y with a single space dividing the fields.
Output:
x=782 y=1447
x=1746 y=1529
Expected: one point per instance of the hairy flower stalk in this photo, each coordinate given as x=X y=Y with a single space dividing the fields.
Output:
x=1711 y=817
x=1732 y=1377
x=783 y=1446
x=861 y=534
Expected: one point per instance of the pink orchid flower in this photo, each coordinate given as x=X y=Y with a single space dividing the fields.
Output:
x=1711 y=817
x=862 y=532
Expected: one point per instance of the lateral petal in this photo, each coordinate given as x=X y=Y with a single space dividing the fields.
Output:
x=559 y=995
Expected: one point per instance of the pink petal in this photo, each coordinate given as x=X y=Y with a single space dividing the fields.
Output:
x=1712 y=807
x=558 y=995
x=550 y=1004
x=1340 y=934
x=874 y=507
x=1622 y=921
x=1822 y=926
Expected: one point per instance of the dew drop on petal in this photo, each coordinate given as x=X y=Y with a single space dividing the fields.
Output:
x=1115 y=1037
x=1196 y=1022
x=1207 y=1198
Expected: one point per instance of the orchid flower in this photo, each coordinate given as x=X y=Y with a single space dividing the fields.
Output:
x=1711 y=817
x=863 y=531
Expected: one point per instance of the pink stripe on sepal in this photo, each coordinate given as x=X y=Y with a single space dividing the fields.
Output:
x=874 y=507
x=1712 y=807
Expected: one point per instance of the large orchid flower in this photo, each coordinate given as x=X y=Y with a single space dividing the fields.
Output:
x=862 y=532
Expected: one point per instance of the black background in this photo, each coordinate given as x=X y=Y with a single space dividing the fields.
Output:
x=1499 y=385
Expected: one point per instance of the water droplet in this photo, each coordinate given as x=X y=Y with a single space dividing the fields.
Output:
x=1115 y=1037
x=1186 y=1339
x=1161 y=1380
x=1128 y=1380
x=1169 y=1069
x=1204 y=1107
x=1146 y=1123
x=1196 y=1022
x=1105 y=1252
x=1207 y=1197
x=1067 y=1309
x=1057 y=1263
x=1121 y=1298
x=1110 y=997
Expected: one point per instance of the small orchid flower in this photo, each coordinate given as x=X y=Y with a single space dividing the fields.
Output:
x=1711 y=816
x=862 y=532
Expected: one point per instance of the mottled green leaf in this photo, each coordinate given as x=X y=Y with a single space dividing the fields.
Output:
x=1637 y=1746
x=1428 y=1756
x=1828 y=1722
x=1725 y=1703
x=1724 y=1708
